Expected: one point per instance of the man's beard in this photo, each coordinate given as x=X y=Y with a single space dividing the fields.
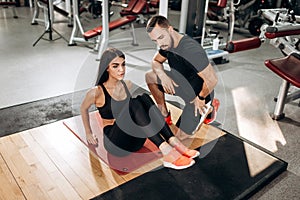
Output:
x=171 y=45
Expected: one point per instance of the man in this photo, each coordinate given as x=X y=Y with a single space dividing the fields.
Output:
x=191 y=77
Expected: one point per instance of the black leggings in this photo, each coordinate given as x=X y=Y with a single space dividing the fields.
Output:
x=138 y=120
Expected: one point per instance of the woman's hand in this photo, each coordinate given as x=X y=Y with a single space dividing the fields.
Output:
x=91 y=139
x=199 y=106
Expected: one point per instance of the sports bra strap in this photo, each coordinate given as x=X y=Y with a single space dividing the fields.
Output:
x=126 y=89
x=125 y=86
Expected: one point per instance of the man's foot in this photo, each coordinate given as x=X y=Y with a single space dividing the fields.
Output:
x=215 y=105
x=176 y=161
x=168 y=119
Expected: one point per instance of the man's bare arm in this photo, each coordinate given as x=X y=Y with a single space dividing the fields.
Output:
x=157 y=64
x=210 y=80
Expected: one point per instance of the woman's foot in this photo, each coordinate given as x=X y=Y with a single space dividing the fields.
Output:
x=181 y=163
x=177 y=161
x=173 y=159
x=190 y=153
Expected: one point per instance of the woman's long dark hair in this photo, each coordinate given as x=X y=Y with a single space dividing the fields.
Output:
x=107 y=56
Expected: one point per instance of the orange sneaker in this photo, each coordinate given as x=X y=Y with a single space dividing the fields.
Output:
x=216 y=105
x=191 y=153
x=181 y=163
x=181 y=148
x=168 y=119
x=175 y=160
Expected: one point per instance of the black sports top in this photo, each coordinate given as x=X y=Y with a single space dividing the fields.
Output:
x=111 y=107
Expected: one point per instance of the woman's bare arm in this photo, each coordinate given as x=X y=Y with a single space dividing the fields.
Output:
x=88 y=101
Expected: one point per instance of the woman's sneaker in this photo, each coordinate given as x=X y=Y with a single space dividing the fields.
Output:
x=182 y=162
x=191 y=153
x=175 y=160
x=182 y=149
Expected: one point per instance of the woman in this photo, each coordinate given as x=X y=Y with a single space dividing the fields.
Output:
x=128 y=121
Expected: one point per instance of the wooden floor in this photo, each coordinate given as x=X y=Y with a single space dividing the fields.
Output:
x=49 y=162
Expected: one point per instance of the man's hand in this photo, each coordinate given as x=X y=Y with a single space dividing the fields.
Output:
x=168 y=84
x=199 y=106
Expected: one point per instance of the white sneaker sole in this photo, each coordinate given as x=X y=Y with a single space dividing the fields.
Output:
x=203 y=117
x=196 y=155
x=170 y=165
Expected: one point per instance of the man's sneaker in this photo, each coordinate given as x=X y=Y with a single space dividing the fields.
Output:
x=168 y=119
x=215 y=105
x=182 y=162
x=207 y=111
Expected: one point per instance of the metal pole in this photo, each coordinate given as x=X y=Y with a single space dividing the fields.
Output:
x=163 y=8
x=183 y=15
x=105 y=28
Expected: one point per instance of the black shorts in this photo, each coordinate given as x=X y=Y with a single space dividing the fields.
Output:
x=187 y=90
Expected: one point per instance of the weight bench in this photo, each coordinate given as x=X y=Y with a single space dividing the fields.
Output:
x=8 y=4
x=141 y=7
x=218 y=3
x=154 y=3
x=130 y=6
x=112 y=25
x=287 y=68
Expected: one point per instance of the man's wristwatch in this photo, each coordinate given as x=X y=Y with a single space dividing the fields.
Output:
x=201 y=98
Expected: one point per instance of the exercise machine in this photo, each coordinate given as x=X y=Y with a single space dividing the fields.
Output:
x=52 y=5
x=9 y=3
x=97 y=34
x=48 y=26
x=193 y=23
x=284 y=35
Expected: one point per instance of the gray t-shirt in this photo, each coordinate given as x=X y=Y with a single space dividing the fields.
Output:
x=187 y=58
x=185 y=61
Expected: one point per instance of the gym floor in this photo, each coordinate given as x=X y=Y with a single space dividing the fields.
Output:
x=246 y=87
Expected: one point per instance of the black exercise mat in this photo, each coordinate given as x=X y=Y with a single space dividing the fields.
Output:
x=34 y=114
x=224 y=173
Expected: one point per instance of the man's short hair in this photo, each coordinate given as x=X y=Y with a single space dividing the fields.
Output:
x=159 y=20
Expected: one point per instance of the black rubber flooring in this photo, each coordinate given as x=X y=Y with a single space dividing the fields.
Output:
x=228 y=171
